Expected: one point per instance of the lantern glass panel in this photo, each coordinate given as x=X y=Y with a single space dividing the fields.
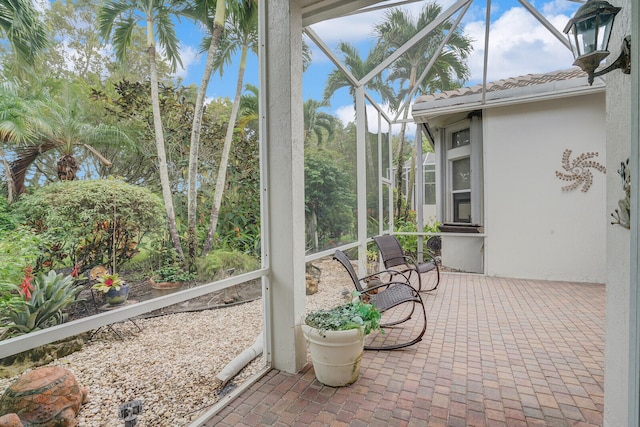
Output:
x=586 y=35
x=604 y=30
x=573 y=42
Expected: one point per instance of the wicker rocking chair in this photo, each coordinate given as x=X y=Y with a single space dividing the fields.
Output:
x=428 y=272
x=385 y=296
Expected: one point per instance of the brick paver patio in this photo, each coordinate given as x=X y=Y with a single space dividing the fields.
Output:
x=497 y=352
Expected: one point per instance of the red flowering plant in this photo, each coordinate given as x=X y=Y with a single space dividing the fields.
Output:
x=44 y=301
x=26 y=287
x=108 y=281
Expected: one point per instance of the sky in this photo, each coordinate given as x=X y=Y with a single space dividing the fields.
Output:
x=518 y=45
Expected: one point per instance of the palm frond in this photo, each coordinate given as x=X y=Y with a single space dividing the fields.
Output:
x=25 y=157
x=167 y=37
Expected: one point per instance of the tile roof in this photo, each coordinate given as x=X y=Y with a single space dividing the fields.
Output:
x=505 y=84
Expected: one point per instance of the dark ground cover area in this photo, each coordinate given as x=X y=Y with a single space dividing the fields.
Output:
x=91 y=302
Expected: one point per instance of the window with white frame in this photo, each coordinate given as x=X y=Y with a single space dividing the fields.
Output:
x=429 y=171
x=461 y=158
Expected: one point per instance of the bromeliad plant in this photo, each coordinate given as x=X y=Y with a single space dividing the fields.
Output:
x=108 y=281
x=46 y=296
x=353 y=315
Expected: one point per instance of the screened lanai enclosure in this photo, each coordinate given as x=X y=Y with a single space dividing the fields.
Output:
x=290 y=236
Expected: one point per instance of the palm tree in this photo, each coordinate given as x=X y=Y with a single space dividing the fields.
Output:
x=248 y=113
x=201 y=11
x=318 y=124
x=448 y=71
x=119 y=17
x=63 y=129
x=359 y=68
x=18 y=125
x=241 y=32
x=23 y=29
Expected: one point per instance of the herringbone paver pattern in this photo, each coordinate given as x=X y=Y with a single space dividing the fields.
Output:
x=497 y=352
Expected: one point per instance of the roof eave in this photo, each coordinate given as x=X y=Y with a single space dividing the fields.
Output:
x=424 y=111
x=314 y=11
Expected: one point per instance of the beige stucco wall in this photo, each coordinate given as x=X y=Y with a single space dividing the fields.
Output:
x=534 y=229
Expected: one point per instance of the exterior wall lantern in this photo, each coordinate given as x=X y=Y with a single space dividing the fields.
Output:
x=589 y=32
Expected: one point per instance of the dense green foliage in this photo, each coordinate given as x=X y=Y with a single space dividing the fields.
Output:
x=172 y=273
x=329 y=195
x=92 y=222
x=52 y=293
x=216 y=264
x=19 y=248
x=409 y=242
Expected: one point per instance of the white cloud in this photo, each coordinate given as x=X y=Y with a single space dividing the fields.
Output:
x=42 y=5
x=347 y=115
x=354 y=29
x=518 y=45
x=190 y=56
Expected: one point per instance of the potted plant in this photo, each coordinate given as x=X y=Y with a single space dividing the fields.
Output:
x=115 y=290
x=169 y=277
x=336 y=340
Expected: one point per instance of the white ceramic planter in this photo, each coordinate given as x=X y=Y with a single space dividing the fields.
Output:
x=336 y=355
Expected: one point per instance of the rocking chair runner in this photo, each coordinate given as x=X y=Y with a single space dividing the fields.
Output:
x=385 y=296
x=393 y=256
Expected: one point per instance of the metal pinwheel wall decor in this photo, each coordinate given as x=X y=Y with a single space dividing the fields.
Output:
x=579 y=170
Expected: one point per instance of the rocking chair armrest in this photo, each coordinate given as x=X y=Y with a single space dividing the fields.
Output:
x=410 y=261
x=406 y=258
x=388 y=284
x=428 y=253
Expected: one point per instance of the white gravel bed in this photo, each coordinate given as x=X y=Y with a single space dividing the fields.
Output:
x=171 y=364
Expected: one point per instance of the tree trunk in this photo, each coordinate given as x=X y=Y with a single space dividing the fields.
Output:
x=224 y=160
x=400 y=167
x=159 y=136
x=414 y=154
x=312 y=229
x=412 y=174
x=8 y=176
x=192 y=192
x=67 y=168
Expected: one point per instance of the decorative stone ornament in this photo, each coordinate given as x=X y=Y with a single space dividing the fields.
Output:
x=579 y=170
x=44 y=397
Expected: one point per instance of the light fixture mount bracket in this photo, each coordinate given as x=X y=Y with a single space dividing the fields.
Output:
x=623 y=62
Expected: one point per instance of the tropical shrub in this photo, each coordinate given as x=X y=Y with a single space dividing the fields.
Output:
x=8 y=221
x=93 y=222
x=410 y=242
x=18 y=248
x=44 y=303
x=172 y=273
x=239 y=224
x=216 y=264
